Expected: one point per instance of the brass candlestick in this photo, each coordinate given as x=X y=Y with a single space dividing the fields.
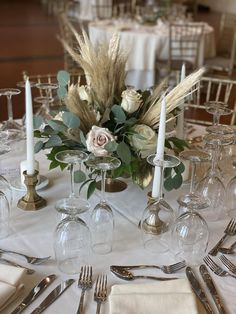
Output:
x=31 y=200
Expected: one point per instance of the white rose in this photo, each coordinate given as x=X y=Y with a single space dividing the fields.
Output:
x=84 y=93
x=97 y=138
x=146 y=144
x=131 y=100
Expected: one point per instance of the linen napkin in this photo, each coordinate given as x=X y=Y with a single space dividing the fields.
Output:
x=165 y=297
x=11 y=284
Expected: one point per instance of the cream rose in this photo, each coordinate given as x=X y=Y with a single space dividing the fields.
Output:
x=84 y=93
x=131 y=100
x=97 y=138
x=146 y=143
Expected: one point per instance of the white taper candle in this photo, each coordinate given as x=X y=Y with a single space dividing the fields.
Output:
x=29 y=129
x=160 y=149
x=180 y=119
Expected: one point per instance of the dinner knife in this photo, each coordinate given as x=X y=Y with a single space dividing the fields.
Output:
x=34 y=293
x=197 y=289
x=53 y=296
x=210 y=284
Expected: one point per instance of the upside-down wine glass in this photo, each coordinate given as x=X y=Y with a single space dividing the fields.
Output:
x=45 y=99
x=211 y=186
x=158 y=216
x=193 y=199
x=217 y=109
x=102 y=221
x=72 y=202
x=14 y=128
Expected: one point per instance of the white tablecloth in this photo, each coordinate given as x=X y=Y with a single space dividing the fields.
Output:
x=145 y=44
x=32 y=233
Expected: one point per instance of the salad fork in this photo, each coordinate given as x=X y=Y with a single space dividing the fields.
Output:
x=231 y=267
x=30 y=259
x=85 y=283
x=100 y=292
x=216 y=268
x=167 y=269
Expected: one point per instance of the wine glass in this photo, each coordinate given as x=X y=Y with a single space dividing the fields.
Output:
x=231 y=197
x=45 y=98
x=5 y=187
x=158 y=216
x=72 y=203
x=190 y=235
x=217 y=109
x=102 y=221
x=193 y=199
x=11 y=125
x=211 y=186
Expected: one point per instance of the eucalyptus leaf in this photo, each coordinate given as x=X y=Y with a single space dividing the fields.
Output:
x=54 y=140
x=48 y=130
x=37 y=121
x=177 y=181
x=119 y=114
x=180 y=168
x=38 y=146
x=84 y=183
x=57 y=125
x=124 y=152
x=63 y=77
x=168 y=184
x=131 y=121
x=91 y=188
x=111 y=146
x=62 y=92
x=79 y=176
x=70 y=120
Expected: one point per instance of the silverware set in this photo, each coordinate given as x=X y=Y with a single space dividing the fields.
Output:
x=85 y=282
x=219 y=271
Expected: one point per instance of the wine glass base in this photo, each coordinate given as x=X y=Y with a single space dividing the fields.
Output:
x=70 y=266
x=72 y=205
x=194 y=201
x=102 y=248
x=156 y=245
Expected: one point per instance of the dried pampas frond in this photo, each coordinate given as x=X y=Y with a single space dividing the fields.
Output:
x=173 y=99
x=103 y=65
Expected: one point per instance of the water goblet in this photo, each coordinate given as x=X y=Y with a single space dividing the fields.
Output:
x=102 y=221
x=211 y=186
x=11 y=125
x=72 y=203
x=158 y=216
x=193 y=199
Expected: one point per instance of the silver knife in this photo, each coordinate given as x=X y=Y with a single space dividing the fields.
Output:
x=197 y=289
x=34 y=293
x=210 y=284
x=53 y=296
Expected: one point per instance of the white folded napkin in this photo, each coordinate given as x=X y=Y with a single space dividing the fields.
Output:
x=165 y=297
x=11 y=284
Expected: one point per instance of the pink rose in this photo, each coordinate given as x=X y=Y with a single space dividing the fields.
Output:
x=97 y=138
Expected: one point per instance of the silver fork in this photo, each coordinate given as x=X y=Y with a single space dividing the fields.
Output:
x=167 y=269
x=216 y=268
x=30 y=259
x=231 y=267
x=230 y=230
x=85 y=282
x=100 y=292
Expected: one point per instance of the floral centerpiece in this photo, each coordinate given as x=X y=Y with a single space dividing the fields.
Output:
x=104 y=117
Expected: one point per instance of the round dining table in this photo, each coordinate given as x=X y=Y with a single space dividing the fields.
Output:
x=145 y=44
x=31 y=232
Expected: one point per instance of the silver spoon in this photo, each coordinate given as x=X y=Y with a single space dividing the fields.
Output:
x=30 y=259
x=127 y=275
x=229 y=250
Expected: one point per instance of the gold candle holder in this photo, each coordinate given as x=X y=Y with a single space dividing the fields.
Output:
x=31 y=200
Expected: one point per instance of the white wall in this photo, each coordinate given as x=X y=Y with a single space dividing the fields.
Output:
x=220 y=5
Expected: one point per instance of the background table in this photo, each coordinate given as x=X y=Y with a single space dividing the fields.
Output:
x=145 y=44
x=32 y=233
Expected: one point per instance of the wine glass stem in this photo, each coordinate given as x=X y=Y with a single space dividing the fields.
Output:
x=216 y=119
x=103 y=185
x=215 y=156
x=9 y=108
x=72 y=182
x=192 y=183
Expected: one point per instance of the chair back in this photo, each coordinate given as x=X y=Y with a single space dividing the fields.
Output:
x=184 y=43
x=211 y=89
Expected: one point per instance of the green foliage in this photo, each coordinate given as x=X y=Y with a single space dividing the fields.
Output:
x=79 y=176
x=123 y=152
x=119 y=114
x=63 y=78
x=71 y=120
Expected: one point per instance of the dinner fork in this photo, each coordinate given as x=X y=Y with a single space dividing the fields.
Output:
x=100 y=292
x=230 y=230
x=85 y=283
x=231 y=267
x=30 y=259
x=216 y=268
x=167 y=269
